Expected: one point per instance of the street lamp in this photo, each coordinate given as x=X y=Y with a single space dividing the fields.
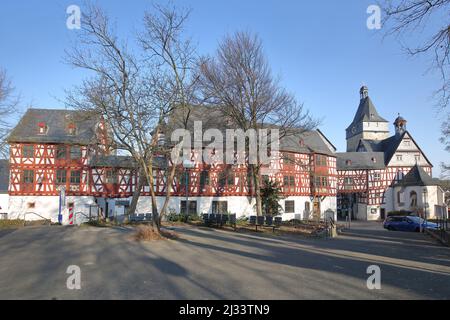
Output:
x=62 y=202
x=425 y=193
x=187 y=164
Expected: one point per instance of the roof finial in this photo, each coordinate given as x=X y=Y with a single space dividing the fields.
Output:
x=364 y=92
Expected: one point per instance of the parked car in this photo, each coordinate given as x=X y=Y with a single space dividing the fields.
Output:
x=408 y=223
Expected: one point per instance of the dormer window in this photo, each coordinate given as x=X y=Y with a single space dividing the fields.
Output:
x=301 y=142
x=374 y=160
x=348 y=162
x=42 y=128
x=72 y=129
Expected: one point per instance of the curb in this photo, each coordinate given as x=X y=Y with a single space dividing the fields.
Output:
x=435 y=236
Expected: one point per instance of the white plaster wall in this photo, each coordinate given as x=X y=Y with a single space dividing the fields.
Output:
x=329 y=203
x=408 y=159
x=382 y=127
x=361 y=212
x=241 y=206
x=81 y=209
x=389 y=200
x=373 y=216
x=370 y=131
x=4 y=203
x=48 y=208
x=434 y=197
x=375 y=135
x=299 y=207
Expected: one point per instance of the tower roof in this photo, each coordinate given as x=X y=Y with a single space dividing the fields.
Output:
x=366 y=110
x=399 y=120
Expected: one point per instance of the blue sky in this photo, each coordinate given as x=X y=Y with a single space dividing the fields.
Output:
x=322 y=50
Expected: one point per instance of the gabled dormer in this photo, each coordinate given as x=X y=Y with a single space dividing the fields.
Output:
x=403 y=151
x=71 y=129
x=42 y=128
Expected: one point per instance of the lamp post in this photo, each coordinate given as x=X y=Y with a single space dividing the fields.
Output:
x=187 y=164
x=425 y=193
x=62 y=202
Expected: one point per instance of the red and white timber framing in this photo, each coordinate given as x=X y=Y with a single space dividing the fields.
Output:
x=371 y=185
x=305 y=175
x=34 y=172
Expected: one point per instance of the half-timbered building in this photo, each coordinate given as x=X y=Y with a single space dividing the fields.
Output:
x=61 y=168
x=371 y=174
x=50 y=152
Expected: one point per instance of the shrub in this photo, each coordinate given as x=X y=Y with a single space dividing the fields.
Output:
x=181 y=217
x=11 y=223
x=242 y=220
x=194 y=217
x=399 y=213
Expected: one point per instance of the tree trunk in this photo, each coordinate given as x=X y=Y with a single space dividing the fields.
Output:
x=169 y=184
x=257 y=188
x=258 y=194
x=136 y=195
x=155 y=214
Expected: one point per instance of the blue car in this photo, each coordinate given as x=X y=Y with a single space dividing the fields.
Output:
x=408 y=223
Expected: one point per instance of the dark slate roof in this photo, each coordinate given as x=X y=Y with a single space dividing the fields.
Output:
x=114 y=161
x=305 y=142
x=371 y=145
x=359 y=160
x=388 y=146
x=57 y=122
x=213 y=118
x=417 y=177
x=4 y=176
x=365 y=109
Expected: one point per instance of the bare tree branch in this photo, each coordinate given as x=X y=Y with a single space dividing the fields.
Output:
x=408 y=18
x=238 y=80
x=8 y=106
x=135 y=95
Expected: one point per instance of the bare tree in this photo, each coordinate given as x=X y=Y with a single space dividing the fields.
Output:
x=405 y=19
x=445 y=139
x=8 y=106
x=238 y=79
x=135 y=96
x=175 y=58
